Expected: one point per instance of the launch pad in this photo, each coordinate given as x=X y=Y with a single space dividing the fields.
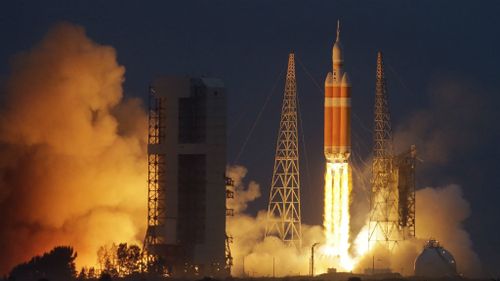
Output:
x=186 y=227
x=392 y=191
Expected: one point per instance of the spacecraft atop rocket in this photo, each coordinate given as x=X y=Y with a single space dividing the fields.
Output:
x=337 y=108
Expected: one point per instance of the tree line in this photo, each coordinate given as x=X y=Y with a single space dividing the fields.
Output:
x=114 y=261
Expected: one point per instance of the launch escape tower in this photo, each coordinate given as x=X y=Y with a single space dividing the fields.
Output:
x=384 y=218
x=283 y=213
x=392 y=200
x=186 y=185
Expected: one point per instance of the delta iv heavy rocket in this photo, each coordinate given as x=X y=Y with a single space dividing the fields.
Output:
x=337 y=109
x=336 y=218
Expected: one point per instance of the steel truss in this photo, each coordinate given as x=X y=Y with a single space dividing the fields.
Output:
x=154 y=239
x=283 y=214
x=384 y=218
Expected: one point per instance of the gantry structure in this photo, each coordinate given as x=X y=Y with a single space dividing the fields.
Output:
x=283 y=213
x=406 y=166
x=384 y=211
x=154 y=241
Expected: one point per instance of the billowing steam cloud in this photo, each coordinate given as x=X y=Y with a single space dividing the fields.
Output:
x=440 y=214
x=256 y=253
x=448 y=126
x=440 y=217
x=72 y=163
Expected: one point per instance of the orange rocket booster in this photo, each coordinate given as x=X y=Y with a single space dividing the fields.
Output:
x=337 y=109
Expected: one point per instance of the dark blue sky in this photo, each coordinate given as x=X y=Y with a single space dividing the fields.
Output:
x=246 y=43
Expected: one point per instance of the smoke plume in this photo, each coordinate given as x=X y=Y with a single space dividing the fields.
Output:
x=72 y=163
x=440 y=212
x=442 y=131
x=440 y=215
x=458 y=112
x=253 y=253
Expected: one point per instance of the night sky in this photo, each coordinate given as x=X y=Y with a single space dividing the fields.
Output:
x=428 y=46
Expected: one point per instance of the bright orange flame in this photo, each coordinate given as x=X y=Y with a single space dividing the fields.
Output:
x=336 y=215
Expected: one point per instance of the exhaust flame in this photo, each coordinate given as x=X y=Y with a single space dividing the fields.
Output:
x=336 y=215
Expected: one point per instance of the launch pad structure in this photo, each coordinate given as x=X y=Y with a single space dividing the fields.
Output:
x=405 y=164
x=187 y=189
x=392 y=199
x=392 y=196
x=283 y=213
x=156 y=174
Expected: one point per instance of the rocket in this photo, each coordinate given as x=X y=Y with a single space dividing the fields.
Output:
x=337 y=130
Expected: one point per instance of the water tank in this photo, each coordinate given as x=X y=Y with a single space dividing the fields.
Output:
x=435 y=261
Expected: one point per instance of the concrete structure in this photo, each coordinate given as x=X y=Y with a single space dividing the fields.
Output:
x=187 y=188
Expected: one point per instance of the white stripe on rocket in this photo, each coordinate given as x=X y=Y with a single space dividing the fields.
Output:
x=337 y=102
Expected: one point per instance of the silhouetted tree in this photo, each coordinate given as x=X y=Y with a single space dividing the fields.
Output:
x=110 y=268
x=56 y=265
x=134 y=259
x=91 y=273
x=106 y=256
x=83 y=274
x=122 y=256
x=128 y=259
x=105 y=277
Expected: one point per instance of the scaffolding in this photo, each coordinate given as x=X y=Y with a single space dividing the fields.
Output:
x=154 y=240
x=229 y=238
x=283 y=214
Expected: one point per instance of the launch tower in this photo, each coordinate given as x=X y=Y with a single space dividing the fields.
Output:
x=283 y=213
x=186 y=183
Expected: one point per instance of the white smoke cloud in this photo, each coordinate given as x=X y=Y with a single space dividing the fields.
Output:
x=440 y=215
x=257 y=252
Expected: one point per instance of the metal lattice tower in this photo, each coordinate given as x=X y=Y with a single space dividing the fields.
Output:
x=384 y=217
x=229 y=238
x=283 y=213
x=154 y=239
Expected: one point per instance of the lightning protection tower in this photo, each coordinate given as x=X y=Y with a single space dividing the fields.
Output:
x=384 y=217
x=283 y=213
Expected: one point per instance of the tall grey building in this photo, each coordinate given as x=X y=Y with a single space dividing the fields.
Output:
x=186 y=175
